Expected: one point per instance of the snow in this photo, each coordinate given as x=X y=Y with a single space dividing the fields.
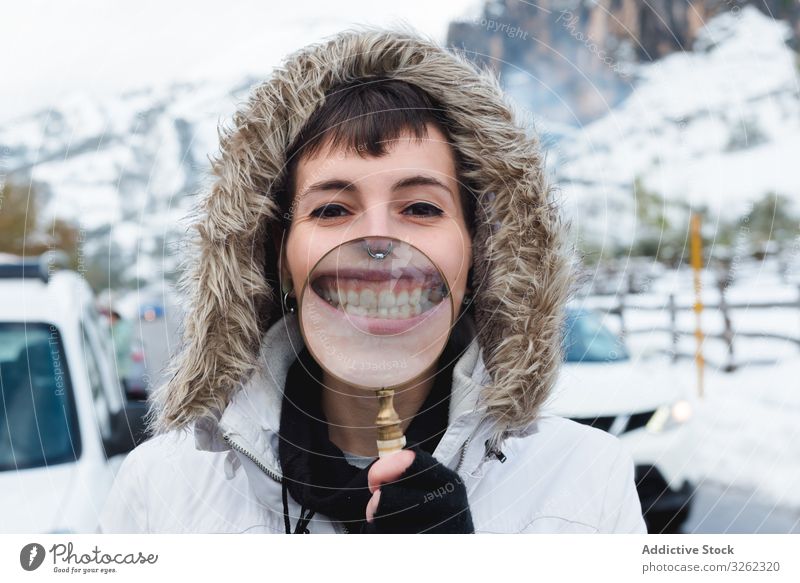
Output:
x=747 y=425
x=95 y=204
x=747 y=173
x=132 y=159
x=719 y=126
x=747 y=431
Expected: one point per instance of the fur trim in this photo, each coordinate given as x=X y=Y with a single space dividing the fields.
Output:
x=522 y=268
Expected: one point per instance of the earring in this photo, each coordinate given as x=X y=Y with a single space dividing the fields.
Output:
x=467 y=300
x=285 y=300
x=286 y=306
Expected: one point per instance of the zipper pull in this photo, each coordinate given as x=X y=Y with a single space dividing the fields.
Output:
x=497 y=453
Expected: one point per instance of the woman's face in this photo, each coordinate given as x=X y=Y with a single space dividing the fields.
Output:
x=411 y=194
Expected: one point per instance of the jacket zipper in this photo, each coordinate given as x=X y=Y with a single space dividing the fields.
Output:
x=463 y=453
x=261 y=466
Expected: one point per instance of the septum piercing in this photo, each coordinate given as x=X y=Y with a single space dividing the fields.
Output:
x=379 y=255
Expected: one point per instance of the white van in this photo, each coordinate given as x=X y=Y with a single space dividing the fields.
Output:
x=65 y=423
x=646 y=405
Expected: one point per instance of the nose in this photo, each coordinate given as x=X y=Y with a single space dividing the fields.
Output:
x=378 y=225
x=376 y=220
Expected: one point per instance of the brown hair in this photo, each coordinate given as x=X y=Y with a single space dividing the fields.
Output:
x=364 y=116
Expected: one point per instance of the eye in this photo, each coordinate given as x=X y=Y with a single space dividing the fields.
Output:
x=328 y=211
x=424 y=209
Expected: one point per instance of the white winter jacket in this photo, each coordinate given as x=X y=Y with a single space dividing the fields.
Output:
x=213 y=465
x=558 y=475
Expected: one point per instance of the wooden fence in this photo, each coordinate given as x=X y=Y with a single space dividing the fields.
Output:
x=728 y=334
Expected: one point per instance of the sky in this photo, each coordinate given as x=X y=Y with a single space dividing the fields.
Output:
x=103 y=47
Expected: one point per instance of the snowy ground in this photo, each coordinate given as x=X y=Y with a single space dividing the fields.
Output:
x=747 y=424
x=748 y=431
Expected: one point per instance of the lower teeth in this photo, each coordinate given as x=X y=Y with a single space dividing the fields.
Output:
x=391 y=313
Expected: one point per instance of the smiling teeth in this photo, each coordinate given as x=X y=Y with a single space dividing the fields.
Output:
x=382 y=304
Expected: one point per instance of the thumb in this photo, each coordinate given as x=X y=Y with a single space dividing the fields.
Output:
x=372 y=505
x=389 y=468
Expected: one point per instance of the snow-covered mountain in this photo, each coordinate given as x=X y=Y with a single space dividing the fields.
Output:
x=128 y=165
x=719 y=126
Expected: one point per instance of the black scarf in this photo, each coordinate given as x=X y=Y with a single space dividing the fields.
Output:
x=315 y=470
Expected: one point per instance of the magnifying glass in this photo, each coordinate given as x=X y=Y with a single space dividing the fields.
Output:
x=376 y=313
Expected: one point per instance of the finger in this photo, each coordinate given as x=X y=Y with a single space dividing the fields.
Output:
x=372 y=505
x=389 y=468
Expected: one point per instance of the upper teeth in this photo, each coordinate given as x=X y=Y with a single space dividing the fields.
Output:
x=385 y=303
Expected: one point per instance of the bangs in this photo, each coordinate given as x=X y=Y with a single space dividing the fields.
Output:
x=365 y=115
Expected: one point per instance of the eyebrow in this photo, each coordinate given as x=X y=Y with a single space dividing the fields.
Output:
x=337 y=184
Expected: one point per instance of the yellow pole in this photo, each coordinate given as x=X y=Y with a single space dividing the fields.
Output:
x=697 y=266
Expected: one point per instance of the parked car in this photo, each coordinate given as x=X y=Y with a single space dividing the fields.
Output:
x=65 y=422
x=641 y=403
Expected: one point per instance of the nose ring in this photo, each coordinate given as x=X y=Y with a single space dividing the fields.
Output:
x=379 y=255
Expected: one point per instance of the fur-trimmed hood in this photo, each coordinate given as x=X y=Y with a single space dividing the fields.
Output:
x=522 y=269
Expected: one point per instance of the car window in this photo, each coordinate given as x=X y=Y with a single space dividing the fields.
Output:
x=38 y=418
x=98 y=329
x=102 y=327
x=586 y=339
x=99 y=397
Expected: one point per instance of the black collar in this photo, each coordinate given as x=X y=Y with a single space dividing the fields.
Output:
x=315 y=471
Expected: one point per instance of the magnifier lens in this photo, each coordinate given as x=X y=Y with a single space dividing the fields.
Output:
x=376 y=312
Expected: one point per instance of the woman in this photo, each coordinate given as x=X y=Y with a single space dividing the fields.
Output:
x=374 y=133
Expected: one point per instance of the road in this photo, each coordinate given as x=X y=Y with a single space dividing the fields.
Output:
x=160 y=341
x=718 y=509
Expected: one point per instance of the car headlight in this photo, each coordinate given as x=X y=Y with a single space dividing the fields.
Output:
x=670 y=416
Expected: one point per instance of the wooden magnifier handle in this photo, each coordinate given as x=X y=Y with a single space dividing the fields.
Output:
x=390 y=436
